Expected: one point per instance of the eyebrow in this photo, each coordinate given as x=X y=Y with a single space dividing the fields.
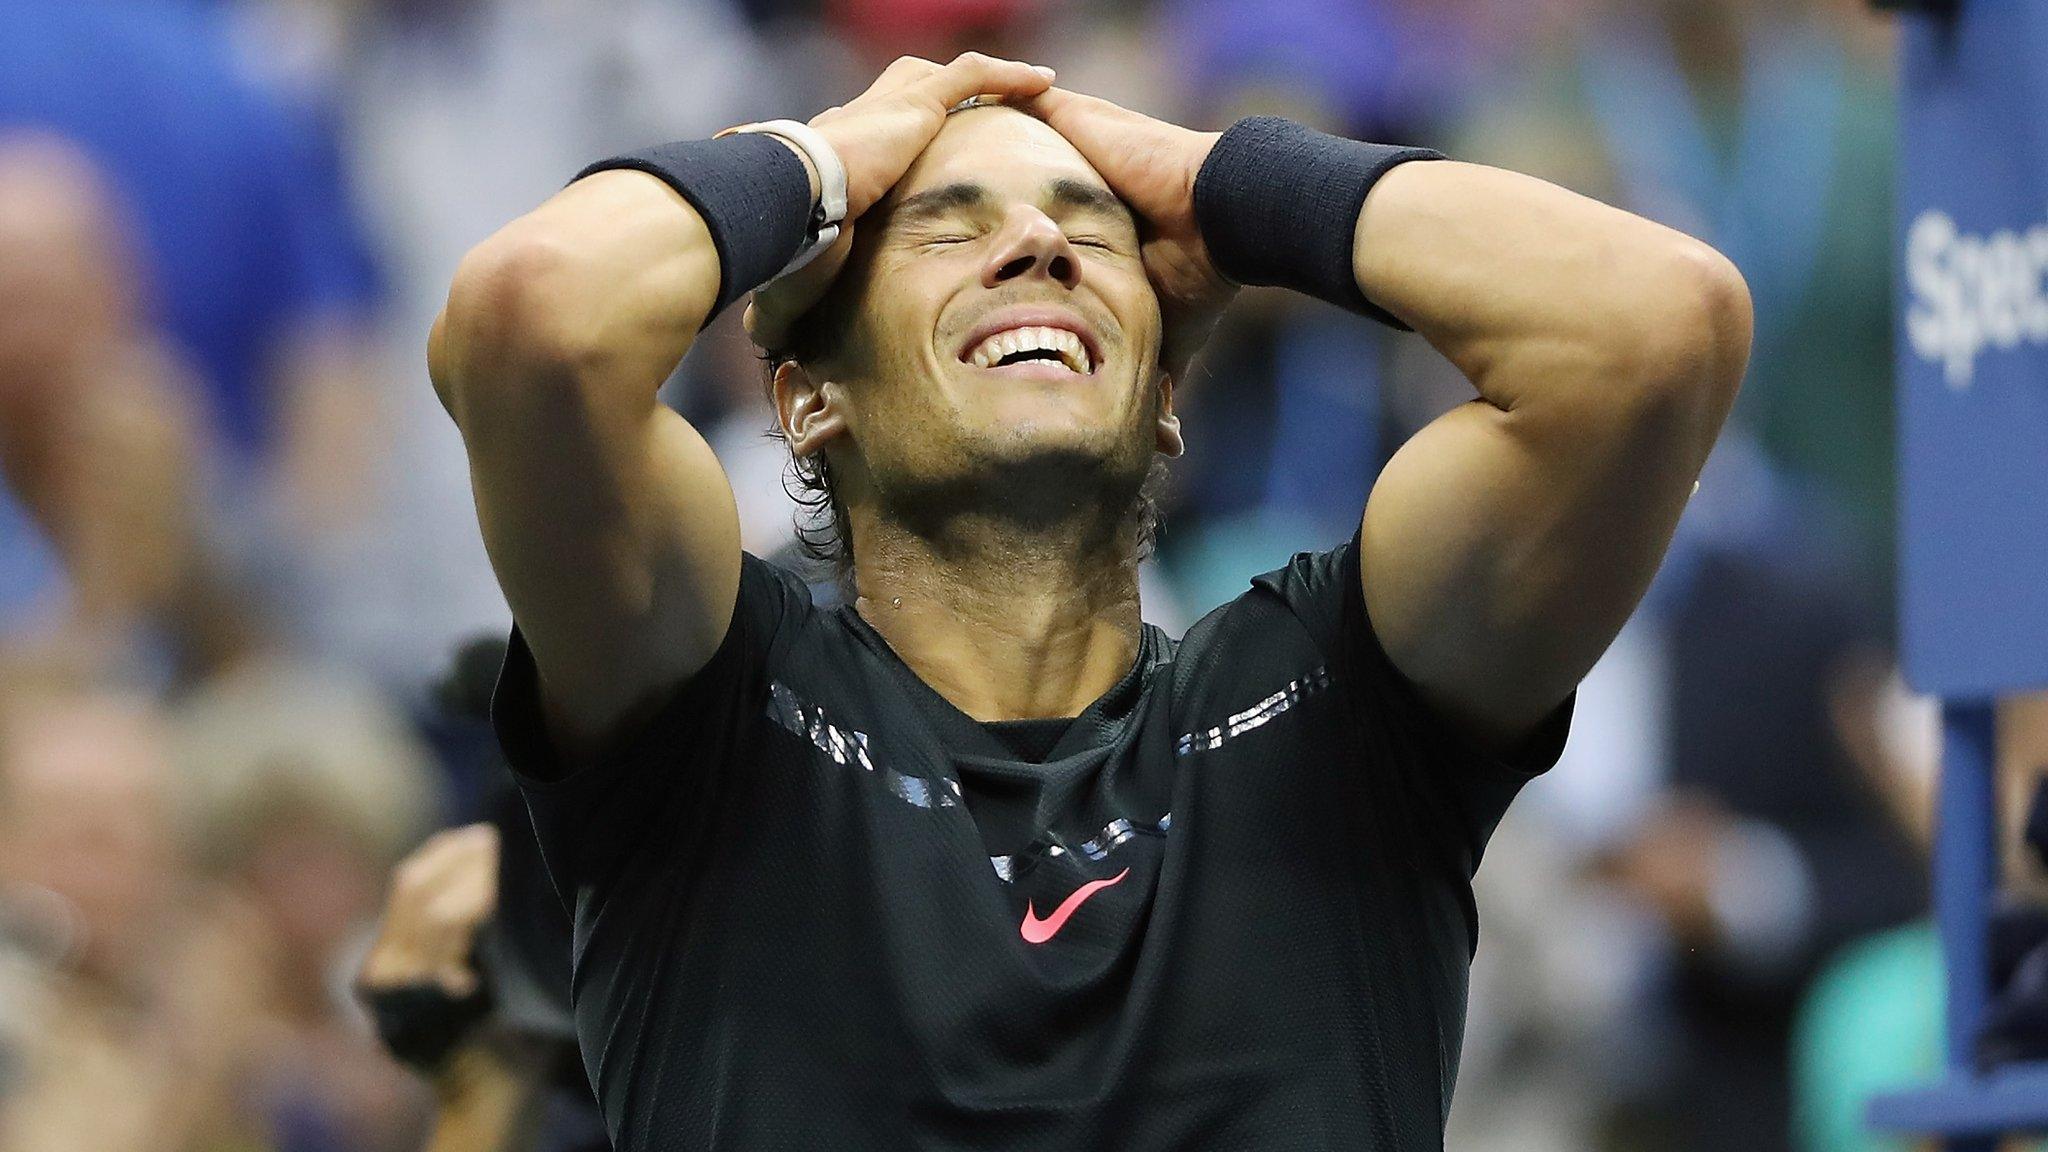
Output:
x=939 y=201
x=1094 y=198
x=1063 y=192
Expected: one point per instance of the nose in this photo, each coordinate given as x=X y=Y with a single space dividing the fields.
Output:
x=1031 y=244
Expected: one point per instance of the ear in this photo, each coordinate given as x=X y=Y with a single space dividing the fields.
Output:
x=811 y=413
x=1167 y=432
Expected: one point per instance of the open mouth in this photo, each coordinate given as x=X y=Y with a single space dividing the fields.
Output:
x=1057 y=348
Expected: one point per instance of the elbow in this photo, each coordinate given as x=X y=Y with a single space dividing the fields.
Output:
x=1694 y=329
x=1704 y=318
x=510 y=320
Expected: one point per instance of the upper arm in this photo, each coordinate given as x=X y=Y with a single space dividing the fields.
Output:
x=1505 y=545
x=608 y=521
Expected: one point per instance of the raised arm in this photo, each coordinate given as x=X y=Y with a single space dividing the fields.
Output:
x=608 y=520
x=609 y=523
x=1508 y=541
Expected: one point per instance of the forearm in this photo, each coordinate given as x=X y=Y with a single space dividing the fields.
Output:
x=1541 y=296
x=557 y=335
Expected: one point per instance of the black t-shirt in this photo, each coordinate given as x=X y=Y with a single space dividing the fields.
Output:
x=816 y=906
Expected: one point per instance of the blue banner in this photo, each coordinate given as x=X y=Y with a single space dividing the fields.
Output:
x=1973 y=348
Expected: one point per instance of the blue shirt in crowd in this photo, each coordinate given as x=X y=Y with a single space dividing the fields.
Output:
x=243 y=218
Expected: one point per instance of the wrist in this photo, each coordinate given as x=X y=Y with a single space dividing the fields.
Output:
x=421 y=1023
x=810 y=169
x=754 y=198
x=1278 y=204
x=487 y=1072
x=827 y=173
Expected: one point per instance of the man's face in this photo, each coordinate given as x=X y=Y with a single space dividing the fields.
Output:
x=64 y=288
x=1001 y=337
x=83 y=814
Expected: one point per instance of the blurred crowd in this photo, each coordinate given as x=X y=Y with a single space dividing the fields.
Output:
x=238 y=553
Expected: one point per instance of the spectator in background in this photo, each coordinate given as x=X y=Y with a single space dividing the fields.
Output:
x=468 y=978
x=1711 y=835
x=1770 y=851
x=455 y=115
x=125 y=1026
x=248 y=258
x=105 y=554
x=304 y=788
x=1765 y=128
x=1872 y=1022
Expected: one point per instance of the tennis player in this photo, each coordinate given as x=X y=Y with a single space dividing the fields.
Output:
x=979 y=859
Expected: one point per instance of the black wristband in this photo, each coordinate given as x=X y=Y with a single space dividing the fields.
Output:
x=1278 y=204
x=753 y=192
x=420 y=1024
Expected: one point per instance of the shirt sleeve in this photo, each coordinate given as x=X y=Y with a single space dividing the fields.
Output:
x=1472 y=788
x=665 y=769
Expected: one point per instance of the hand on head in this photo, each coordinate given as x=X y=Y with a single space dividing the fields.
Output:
x=877 y=135
x=1150 y=164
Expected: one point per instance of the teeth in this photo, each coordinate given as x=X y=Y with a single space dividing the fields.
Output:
x=1072 y=352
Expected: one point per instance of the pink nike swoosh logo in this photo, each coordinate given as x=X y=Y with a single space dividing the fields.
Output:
x=1036 y=931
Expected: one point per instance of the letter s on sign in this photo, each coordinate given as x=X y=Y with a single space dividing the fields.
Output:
x=1937 y=324
x=1971 y=292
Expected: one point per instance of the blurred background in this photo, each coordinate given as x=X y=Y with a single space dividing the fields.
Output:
x=238 y=556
